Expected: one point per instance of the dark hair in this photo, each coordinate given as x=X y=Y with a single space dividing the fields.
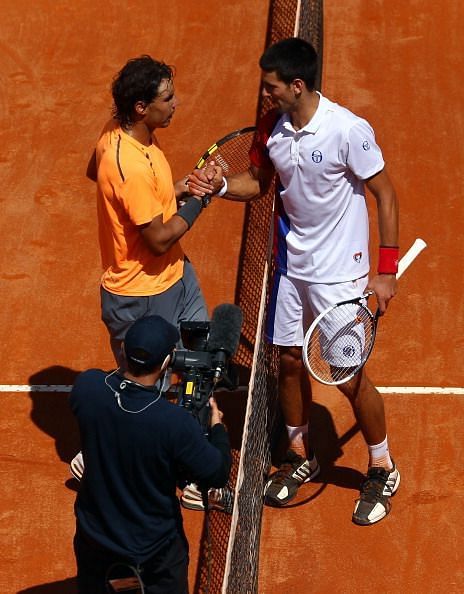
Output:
x=291 y=58
x=138 y=80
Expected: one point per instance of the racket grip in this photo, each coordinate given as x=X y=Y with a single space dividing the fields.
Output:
x=410 y=256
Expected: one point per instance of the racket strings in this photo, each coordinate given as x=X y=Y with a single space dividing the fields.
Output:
x=341 y=342
x=233 y=155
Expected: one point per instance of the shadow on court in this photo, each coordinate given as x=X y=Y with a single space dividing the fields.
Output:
x=233 y=405
x=328 y=446
x=68 y=586
x=51 y=412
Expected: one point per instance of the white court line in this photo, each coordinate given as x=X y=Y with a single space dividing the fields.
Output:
x=382 y=390
x=420 y=390
x=34 y=388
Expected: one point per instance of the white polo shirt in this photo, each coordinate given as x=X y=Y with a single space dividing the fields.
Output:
x=321 y=215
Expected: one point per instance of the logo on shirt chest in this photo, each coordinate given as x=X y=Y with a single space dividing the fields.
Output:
x=316 y=156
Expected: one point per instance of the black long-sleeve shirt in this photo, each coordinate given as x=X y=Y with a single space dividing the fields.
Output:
x=127 y=499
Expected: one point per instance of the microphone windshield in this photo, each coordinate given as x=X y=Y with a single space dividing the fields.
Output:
x=225 y=328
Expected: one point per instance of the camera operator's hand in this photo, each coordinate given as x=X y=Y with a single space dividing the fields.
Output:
x=216 y=414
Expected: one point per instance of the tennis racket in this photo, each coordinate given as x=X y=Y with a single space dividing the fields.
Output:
x=230 y=152
x=341 y=338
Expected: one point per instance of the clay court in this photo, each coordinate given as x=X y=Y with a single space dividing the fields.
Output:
x=399 y=65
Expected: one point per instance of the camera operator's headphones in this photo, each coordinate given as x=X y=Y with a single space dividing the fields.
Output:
x=166 y=362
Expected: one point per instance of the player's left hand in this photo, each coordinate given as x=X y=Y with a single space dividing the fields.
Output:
x=384 y=286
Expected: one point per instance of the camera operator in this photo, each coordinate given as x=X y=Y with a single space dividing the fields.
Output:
x=134 y=443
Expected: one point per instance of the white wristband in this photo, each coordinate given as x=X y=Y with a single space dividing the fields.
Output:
x=223 y=190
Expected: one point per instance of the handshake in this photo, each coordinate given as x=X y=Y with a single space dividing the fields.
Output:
x=206 y=182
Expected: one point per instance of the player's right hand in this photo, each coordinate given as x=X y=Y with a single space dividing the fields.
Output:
x=384 y=286
x=205 y=181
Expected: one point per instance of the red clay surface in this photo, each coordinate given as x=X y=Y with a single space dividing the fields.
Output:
x=397 y=64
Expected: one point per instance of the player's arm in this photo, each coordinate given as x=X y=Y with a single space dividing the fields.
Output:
x=91 y=172
x=241 y=187
x=248 y=185
x=159 y=236
x=208 y=461
x=384 y=283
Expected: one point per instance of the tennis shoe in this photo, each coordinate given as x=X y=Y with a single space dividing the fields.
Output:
x=77 y=466
x=283 y=484
x=218 y=499
x=374 y=498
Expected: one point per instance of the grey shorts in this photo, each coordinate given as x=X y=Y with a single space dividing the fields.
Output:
x=180 y=303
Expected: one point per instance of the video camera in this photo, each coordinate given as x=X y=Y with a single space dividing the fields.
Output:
x=205 y=364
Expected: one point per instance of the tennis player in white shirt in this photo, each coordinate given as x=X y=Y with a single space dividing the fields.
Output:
x=324 y=156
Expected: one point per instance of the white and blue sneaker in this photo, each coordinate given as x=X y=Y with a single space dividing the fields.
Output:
x=283 y=484
x=374 y=501
x=218 y=499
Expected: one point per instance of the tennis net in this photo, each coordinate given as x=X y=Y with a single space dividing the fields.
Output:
x=229 y=555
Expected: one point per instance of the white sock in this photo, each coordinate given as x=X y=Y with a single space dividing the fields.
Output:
x=297 y=438
x=379 y=455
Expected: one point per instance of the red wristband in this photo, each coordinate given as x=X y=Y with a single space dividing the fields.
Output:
x=388 y=259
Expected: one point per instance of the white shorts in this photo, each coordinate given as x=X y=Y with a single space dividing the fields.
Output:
x=294 y=304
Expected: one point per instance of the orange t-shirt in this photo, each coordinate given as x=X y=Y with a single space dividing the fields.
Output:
x=134 y=186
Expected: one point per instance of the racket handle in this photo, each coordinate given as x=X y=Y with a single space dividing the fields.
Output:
x=410 y=256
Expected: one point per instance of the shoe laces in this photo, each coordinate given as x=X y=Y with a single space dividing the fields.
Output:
x=287 y=468
x=284 y=472
x=374 y=484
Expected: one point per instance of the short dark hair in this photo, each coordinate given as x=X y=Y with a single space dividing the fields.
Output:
x=291 y=58
x=138 y=80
